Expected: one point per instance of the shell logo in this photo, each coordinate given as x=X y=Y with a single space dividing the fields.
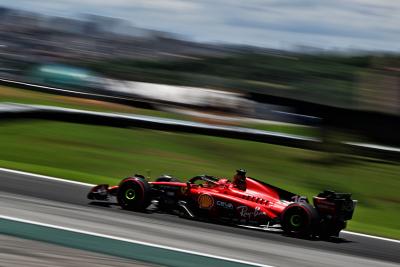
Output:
x=205 y=201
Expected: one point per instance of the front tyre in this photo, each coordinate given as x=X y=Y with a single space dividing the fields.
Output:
x=134 y=194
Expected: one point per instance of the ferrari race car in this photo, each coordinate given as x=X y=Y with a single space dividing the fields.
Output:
x=260 y=205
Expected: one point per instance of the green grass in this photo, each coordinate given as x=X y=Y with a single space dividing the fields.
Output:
x=285 y=128
x=99 y=154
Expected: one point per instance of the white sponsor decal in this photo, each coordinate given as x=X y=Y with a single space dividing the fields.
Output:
x=225 y=205
x=299 y=199
x=245 y=212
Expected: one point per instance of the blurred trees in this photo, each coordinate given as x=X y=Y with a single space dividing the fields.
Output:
x=330 y=79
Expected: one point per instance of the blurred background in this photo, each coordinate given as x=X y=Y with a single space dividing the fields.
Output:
x=316 y=69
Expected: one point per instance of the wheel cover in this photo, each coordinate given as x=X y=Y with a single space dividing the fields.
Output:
x=295 y=220
x=130 y=194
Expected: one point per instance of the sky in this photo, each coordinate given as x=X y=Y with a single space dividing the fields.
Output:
x=282 y=24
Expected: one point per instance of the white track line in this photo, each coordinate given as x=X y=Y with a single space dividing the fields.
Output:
x=45 y=177
x=90 y=185
x=131 y=241
x=371 y=236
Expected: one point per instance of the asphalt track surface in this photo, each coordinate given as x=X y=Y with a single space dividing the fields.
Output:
x=16 y=252
x=65 y=204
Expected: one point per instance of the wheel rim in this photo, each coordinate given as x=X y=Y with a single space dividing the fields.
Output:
x=295 y=220
x=130 y=194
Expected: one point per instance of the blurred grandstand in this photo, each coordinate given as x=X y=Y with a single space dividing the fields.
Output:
x=96 y=54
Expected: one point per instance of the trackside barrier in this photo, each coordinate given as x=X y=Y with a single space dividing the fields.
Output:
x=20 y=111
x=104 y=94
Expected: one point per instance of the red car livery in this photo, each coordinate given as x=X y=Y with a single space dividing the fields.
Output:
x=260 y=205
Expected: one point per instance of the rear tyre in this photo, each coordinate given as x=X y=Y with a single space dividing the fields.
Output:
x=134 y=194
x=299 y=219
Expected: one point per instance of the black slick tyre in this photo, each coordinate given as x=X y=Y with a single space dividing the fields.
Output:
x=299 y=219
x=134 y=194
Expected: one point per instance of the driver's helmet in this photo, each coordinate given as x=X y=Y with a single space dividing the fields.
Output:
x=241 y=172
x=166 y=176
x=240 y=175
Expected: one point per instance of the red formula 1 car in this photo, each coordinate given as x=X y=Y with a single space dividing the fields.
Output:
x=260 y=205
